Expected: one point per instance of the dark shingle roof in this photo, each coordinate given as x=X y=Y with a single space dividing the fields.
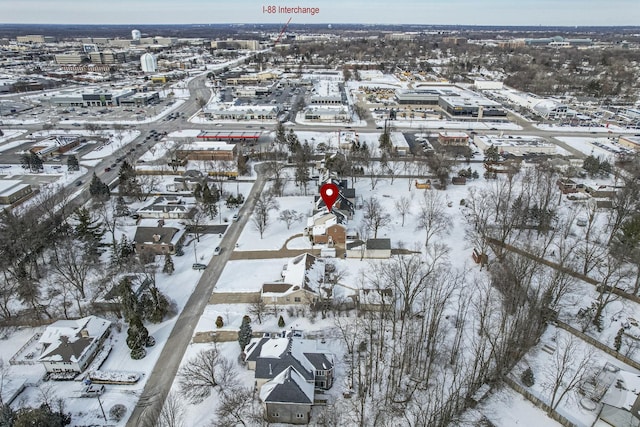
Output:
x=288 y=392
x=319 y=361
x=379 y=244
x=145 y=234
x=278 y=365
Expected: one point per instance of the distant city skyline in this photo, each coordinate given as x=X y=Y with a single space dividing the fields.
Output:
x=435 y=12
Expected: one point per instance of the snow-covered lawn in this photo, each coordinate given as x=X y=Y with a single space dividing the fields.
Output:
x=276 y=233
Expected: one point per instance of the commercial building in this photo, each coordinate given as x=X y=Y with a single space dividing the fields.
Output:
x=517 y=145
x=207 y=150
x=99 y=97
x=148 y=63
x=239 y=113
x=472 y=105
x=35 y=38
x=327 y=114
x=631 y=142
x=236 y=44
x=453 y=138
x=70 y=58
x=12 y=191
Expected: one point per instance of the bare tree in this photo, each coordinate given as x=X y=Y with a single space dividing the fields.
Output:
x=264 y=204
x=237 y=406
x=258 y=308
x=568 y=368
x=375 y=216
x=207 y=370
x=73 y=263
x=433 y=219
x=172 y=413
x=289 y=216
x=403 y=206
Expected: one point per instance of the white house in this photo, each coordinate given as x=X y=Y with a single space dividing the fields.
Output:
x=70 y=345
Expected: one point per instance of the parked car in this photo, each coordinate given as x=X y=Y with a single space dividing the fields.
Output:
x=235 y=217
x=92 y=390
x=198 y=266
x=217 y=250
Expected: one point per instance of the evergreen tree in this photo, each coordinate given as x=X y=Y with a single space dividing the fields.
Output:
x=137 y=334
x=385 y=141
x=528 y=378
x=25 y=161
x=98 y=189
x=154 y=305
x=197 y=191
x=209 y=202
x=88 y=228
x=293 y=142
x=127 y=299
x=219 y=322
x=121 y=208
x=72 y=164
x=40 y=417
x=125 y=249
x=492 y=154
x=617 y=343
x=281 y=322
x=244 y=334
x=168 y=265
x=128 y=182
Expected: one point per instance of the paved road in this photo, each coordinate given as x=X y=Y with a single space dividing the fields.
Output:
x=159 y=382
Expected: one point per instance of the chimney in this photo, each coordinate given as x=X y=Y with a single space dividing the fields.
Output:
x=270 y=370
x=84 y=333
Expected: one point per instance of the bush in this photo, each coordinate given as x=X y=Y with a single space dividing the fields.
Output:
x=219 y=322
x=281 y=322
x=527 y=377
x=151 y=341
x=117 y=412
x=138 y=353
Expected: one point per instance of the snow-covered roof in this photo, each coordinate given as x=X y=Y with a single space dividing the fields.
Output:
x=305 y=271
x=68 y=340
x=623 y=393
x=287 y=387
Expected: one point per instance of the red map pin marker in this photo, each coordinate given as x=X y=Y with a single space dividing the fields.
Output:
x=329 y=193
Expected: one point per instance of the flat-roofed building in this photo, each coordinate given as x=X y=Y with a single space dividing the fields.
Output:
x=471 y=104
x=517 y=145
x=207 y=150
x=453 y=138
x=12 y=191
x=327 y=114
x=70 y=58
x=632 y=142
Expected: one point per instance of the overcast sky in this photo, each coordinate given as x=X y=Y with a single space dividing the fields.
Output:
x=465 y=12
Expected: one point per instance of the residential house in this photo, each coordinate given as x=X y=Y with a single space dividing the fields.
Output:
x=158 y=240
x=371 y=299
x=287 y=398
x=621 y=402
x=168 y=207
x=302 y=280
x=323 y=228
x=288 y=371
x=70 y=345
x=371 y=249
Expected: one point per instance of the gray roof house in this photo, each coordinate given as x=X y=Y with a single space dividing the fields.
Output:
x=70 y=345
x=288 y=368
x=287 y=398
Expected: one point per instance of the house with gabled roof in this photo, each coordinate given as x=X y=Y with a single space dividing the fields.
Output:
x=302 y=278
x=70 y=345
x=326 y=228
x=158 y=240
x=287 y=398
x=621 y=402
x=288 y=371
